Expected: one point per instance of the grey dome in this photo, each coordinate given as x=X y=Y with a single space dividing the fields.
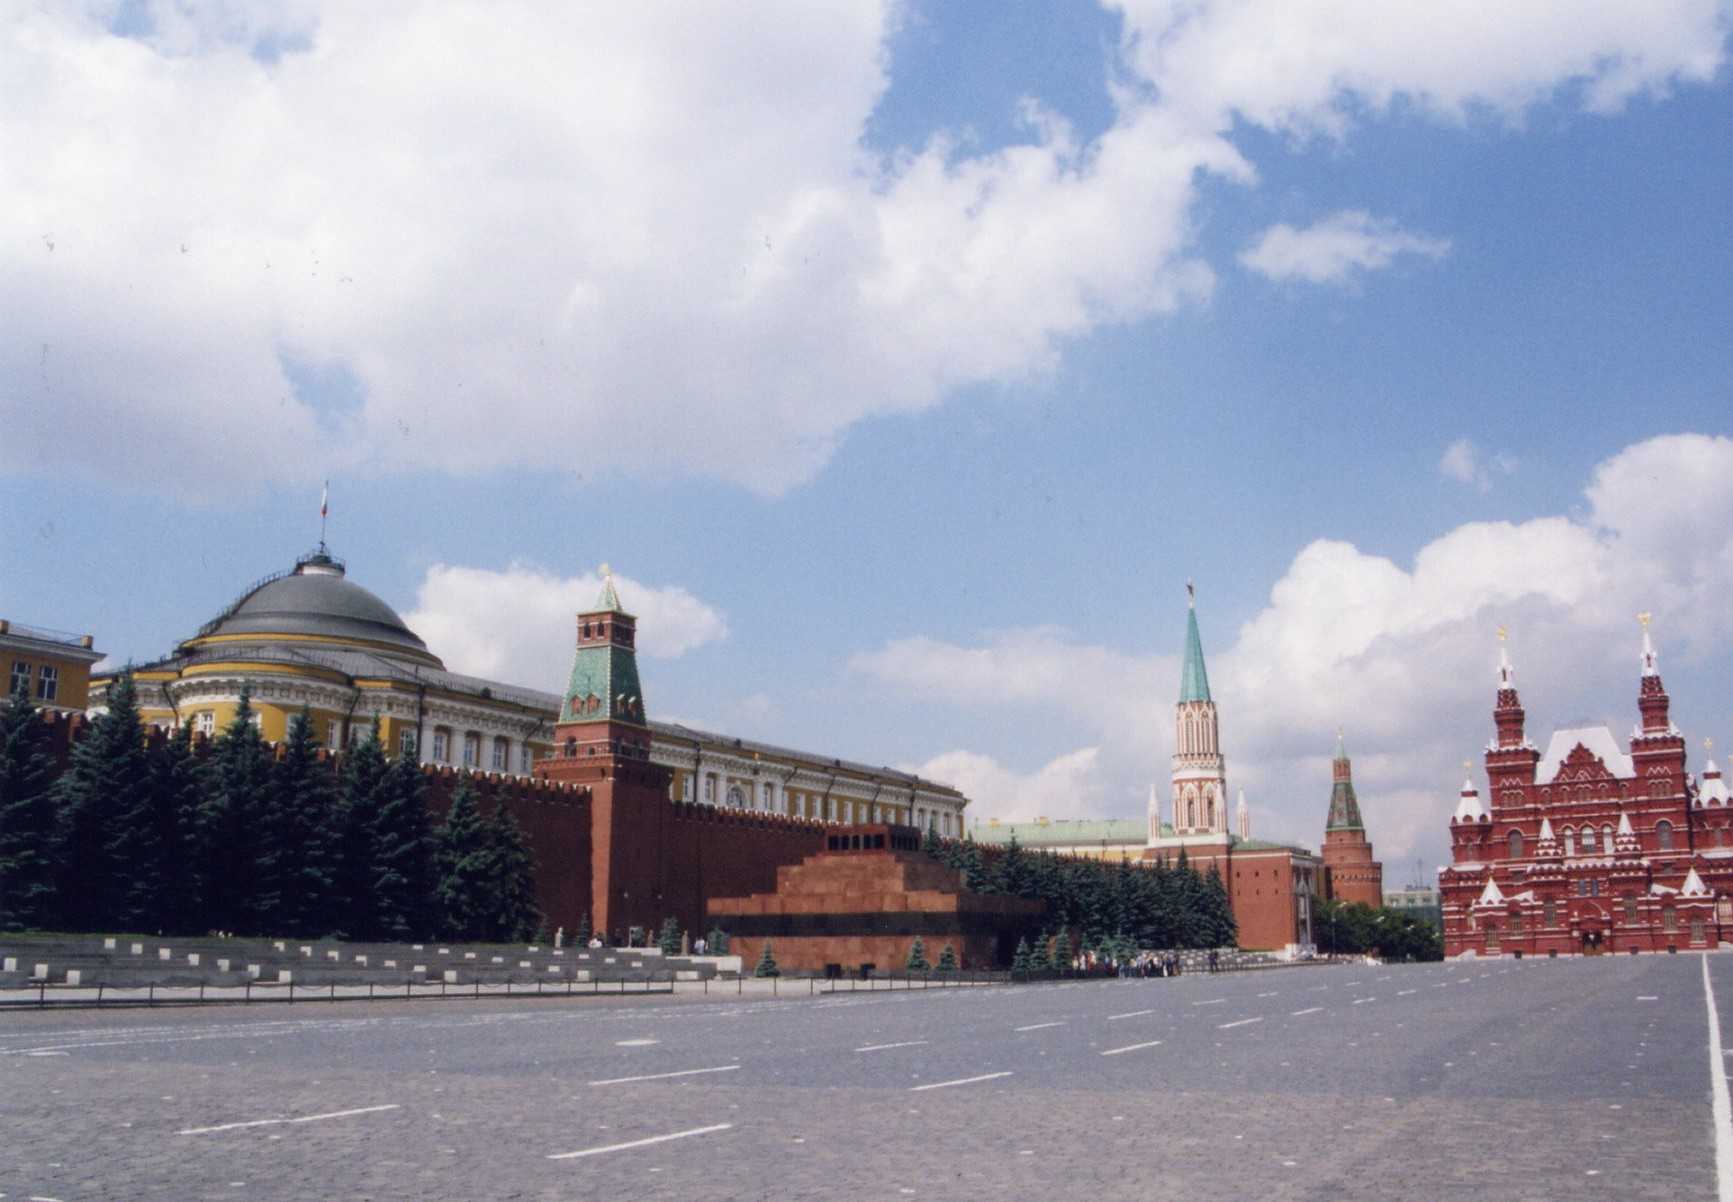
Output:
x=316 y=599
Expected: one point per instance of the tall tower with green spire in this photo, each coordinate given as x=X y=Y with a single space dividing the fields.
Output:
x=1200 y=787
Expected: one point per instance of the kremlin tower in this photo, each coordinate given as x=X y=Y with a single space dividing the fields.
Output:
x=1200 y=786
x=1350 y=872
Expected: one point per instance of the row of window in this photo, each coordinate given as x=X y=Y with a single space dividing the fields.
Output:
x=742 y=796
x=47 y=679
x=499 y=757
x=1594 y=842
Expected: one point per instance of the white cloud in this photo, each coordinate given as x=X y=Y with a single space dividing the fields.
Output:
x=1401 y=656
x=1333 y=249
x=517 y=625
x=1069 y=786
x=517 y=226
x=1462 y=463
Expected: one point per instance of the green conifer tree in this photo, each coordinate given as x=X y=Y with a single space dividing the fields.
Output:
x=1039 y=962
x=917 y=960
x=668 y=939
x=948 y=959
x=106 y=775
x=1020 y=961
x=175 y=780
x=930 y=840
x=463 y=869
x=27 y=817
x=354 y=912
x=766 y=963
x=586 y=930
x=304 y=817
x=403 y=867
x=1062 y=951
x=515 y=913
x=716 y=942
x=1218 y=910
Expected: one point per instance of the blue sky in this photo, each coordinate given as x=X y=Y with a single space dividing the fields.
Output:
x=905 y=412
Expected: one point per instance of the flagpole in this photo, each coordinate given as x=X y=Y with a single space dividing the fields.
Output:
x=324 y=509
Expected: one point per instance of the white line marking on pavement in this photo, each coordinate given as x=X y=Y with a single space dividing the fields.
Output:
x=1271 y=993
x=885 y=1047
x=1242 y=1022
x=305 y=1118
x=640 y=1143
x=685 y=1072
x=1038 y=1026
x=635 y=1043
x=1135 y=1047
x=1721 y=1108
x=1648 y=997
x=1313 y=1010
x=1362 y=1000
x=1214 y=1001
x=1405 y=992
x=959 y=1081
x=1133 y=1014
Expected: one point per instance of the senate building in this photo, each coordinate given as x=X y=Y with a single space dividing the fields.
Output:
x=310 y=636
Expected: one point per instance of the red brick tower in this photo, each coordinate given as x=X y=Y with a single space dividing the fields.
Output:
x=602 y=741
x=1350 y=872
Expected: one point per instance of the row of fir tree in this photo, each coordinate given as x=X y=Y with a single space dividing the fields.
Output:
x=1112 y=907
x=155 y=836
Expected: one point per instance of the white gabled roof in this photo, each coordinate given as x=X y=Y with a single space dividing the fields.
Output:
x=1693 y=886
x=1660 y=890
x=1490 y=896
x=1713 y=790
x=1598 y=739
x=1625 y=824
x=1546 y=830
x=1469 y=808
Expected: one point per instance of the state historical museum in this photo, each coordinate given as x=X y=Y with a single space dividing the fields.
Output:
x=1587 y=848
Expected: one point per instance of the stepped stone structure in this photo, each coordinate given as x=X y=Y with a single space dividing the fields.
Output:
x=863 y=899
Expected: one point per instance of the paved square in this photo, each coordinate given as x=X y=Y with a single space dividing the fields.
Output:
x=1526 y=1080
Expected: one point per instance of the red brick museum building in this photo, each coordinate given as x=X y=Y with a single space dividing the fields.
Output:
x=1588 y=848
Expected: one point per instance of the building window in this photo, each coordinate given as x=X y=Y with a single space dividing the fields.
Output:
x=333 y=733
x=1664 y=835
x=1696 y=930
x=1516 y=845
x=47 y=682
x=441 y=747
x=526 y=759
x=471 y=749
x=1570 y=842
x=205 y=723
x=1582 y=888
x=1606 y=840
x=1549 y=914
x=1670 y=920
x=20 y=676
x=1588 y=840
x=1630 y=909
x=736 y=799
x=571 y=747
x=355 y=739
x=406 y=743
x=1516 y=924
x=501 y=754
x=770 y=795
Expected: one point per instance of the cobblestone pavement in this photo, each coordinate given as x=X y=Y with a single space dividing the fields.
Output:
x=1529 y=1080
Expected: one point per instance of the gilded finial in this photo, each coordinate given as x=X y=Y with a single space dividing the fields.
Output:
x=1645 y=618
x=1468 y=765
x=1503 y=634
x=1708 y=745
x=607 y=571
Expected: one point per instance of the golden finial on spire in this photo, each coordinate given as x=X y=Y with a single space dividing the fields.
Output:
x=1645 y=618
x=1708 y=745
x=606 y=571
x=1468 y=765
x=1503 y=634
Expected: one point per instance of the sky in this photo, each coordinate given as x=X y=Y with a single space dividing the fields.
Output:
x=905 y=361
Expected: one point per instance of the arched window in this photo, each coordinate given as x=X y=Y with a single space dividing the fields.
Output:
x=1606 y=840
x=1589 y=841
x=1516 y=845
x=1570 y=842
x=571 y=747
x=1664 y=835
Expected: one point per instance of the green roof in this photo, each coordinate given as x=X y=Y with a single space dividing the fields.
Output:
x=1344 y=808
x=1071 y=832
x=610 y=675
x=609 y=601
x=1193 y=680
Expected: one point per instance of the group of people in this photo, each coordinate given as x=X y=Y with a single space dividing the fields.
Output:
x=1143 y=964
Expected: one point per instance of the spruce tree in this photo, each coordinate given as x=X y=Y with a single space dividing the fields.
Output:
x=239 y=820
x=176 y=782
x=463 y=871
x=1062 y=951
x=930 y=840
x=515 y=914
x=948 y=959
x=27 y=817
x=586 y=930
x=1219 y=910
x=766 y=963
x=100 y=786
x=403 y=868
x=1038 y=961
x=668 y=939
x=362 y=797
x=1020 y=962
x=304 y=816
x=917 y=961
x=717 y=941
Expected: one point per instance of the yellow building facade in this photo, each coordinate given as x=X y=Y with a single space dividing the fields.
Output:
x=52 y=665
x=311 y=637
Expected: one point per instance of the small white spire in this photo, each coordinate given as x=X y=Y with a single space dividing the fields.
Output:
x=1546 y=834
x=1506 y=673
x=1491 y=895
x=1243 y=817
x=1649 y=668
x=1625 y=824
x=1693 y=886
x=1469 y=808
